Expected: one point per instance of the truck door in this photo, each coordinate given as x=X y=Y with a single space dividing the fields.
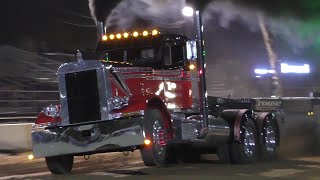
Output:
x=177 y=87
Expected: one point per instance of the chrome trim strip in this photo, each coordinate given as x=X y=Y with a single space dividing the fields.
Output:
x=105 y=92
x=64 y=112
x=133 y=69
x=79 y=66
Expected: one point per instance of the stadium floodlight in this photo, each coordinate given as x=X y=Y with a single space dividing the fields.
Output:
x=264 y=71
x=302 y=69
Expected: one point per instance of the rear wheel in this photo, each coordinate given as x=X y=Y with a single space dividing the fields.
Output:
x=247 y=150
x=269 y=144
x=158 y=152
x=60 y=164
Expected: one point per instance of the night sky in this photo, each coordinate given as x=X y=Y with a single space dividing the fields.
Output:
x=46 y=22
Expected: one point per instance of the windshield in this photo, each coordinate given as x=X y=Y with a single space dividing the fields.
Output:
x=136 y=56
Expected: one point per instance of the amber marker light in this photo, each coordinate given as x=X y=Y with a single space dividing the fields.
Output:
x=192 y=67
x=147 y=142
x=135 y=34
x=155 y=32
x=30 y=157
x=119 y=36
x=125 y=35
x=145 y=33
x=112 y=36
x=104 y=37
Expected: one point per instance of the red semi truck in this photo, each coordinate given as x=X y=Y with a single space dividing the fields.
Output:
x=147 y=94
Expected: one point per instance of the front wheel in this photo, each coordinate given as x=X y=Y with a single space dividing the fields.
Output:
x=60 y=164
x=247 y=150
x=158 y=152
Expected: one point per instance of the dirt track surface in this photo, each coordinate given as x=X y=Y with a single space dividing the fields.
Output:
x=116 y=165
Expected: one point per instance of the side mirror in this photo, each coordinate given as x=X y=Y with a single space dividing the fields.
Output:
x=191 y=50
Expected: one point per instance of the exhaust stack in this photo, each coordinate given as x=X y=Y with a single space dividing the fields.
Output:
x=100 y=30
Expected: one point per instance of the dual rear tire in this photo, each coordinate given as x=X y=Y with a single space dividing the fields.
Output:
x=252 y=147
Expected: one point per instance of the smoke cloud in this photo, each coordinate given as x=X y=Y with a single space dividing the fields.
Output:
x=129 y=13
x=126 y=14
x=285 y=28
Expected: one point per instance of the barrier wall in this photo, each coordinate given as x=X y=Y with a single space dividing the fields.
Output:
x=15 y=137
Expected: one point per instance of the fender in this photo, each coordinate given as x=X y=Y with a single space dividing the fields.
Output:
x=235 y=117
x=157 y=103
x=261 y=118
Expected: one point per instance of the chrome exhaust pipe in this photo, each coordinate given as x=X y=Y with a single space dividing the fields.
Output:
x=218 y=132
x=100 y=30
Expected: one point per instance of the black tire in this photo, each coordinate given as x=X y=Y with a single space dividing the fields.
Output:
x=223 y=154
x=60 y=164
x=270 y=138
x=239 y=153
x=151 y=154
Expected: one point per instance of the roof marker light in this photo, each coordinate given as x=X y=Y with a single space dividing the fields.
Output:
x=145 y=33
x=112 y=36
x=119 y=36
x=125 y=35
x=135 y=34
x=104 y=37
x=155 y=32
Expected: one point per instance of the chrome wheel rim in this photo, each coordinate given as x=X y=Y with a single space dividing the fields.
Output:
x=159 y=139
x=249 y=141
x=270 y=138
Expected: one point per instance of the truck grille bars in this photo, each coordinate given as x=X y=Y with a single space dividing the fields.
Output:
x=83 y=96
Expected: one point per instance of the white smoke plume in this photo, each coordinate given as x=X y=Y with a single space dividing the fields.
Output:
x=284 y=28
x=162 y=13
x=167 y=14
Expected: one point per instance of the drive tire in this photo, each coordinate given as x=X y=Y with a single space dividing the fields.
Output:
x=155 y=154
x=60 y=164
x=247 y=150
x=269 y=144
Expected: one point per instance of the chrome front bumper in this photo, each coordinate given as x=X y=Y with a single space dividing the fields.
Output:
x=104 y=136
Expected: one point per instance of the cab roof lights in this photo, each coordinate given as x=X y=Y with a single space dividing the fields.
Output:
x=155 y=32
x=126 y=35
x=145 y=33
x=119 y=36
x=104 y=37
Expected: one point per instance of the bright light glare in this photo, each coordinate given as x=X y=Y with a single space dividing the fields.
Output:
x=147 y=142
x=192 y=67
x=155 y=32
x=264 y=71
x=126 y=35
x=187 y=11
x=112 y=36
x=286 y=68
x=135 y=34
x=30 y=156
x=119 y=36
x=104 y=37
x=145 y=33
